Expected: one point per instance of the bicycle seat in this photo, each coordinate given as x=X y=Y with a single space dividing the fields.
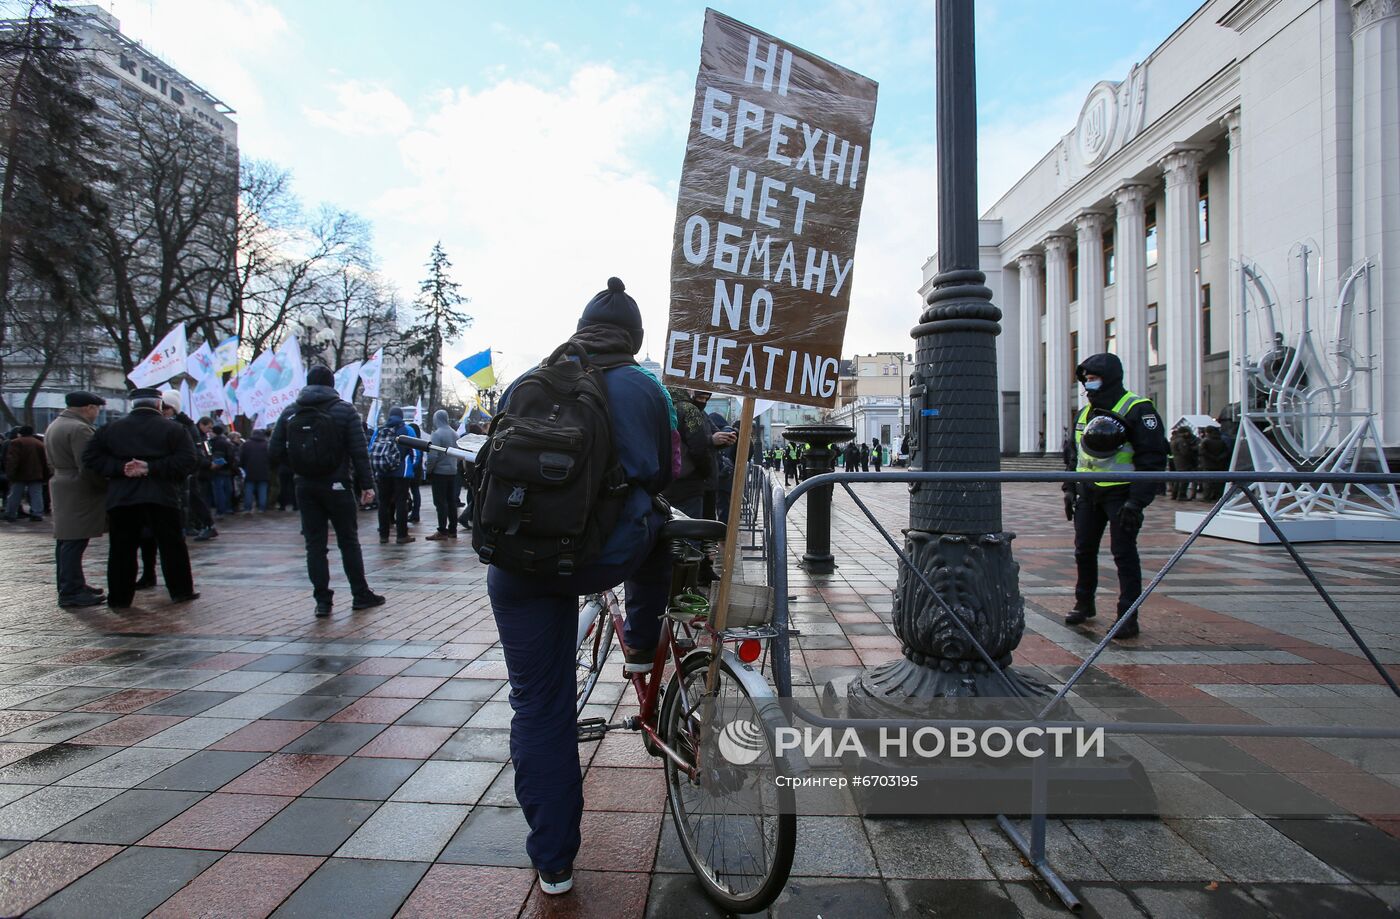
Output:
x=692 y=528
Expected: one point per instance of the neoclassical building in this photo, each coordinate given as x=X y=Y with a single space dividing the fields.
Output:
x=1256 y=125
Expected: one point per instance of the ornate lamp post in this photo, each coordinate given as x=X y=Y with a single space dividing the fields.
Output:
x=955 y=533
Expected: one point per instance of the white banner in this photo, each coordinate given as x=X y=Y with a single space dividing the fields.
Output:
x=209 y=398
x=418 y=414
x=185 y=399
x=373 y=418
x=346 y=378
x=167 y=360
x=282 y=380
x=371 y=372
x=201 y=363
x=231 y=397
x=250 y=395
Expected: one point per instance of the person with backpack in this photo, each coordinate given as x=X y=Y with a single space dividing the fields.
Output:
x=395 y=470
x=566 y=505
x=320 y=439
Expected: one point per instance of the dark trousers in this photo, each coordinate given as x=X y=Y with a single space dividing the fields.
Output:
x=124 y=541
x=393 y=506
x=322 y=507
x=445 y=489
x=1091 y=515
x=415 y=499
x=222 y=488
x=537 y=617
x=68 y=559
x=286 y=489
x=200 y=517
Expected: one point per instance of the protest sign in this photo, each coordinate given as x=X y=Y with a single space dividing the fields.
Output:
x=346 y=378
x=371 y=372
x=766 y=219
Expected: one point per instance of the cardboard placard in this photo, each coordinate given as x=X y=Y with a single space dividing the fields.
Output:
x=766 y=220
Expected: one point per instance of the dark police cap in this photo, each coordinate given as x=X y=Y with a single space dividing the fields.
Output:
x=80 y=398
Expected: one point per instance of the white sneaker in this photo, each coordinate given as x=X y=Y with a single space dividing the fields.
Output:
x=557 y=882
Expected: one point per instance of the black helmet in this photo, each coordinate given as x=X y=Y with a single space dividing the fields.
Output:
x=1103 y=436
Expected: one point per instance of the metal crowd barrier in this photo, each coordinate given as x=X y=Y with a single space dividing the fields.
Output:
x=778 y=502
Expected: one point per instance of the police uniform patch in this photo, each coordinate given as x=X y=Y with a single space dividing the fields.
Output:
x=1150 y=421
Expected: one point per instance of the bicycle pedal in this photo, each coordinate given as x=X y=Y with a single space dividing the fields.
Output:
x=592 y=729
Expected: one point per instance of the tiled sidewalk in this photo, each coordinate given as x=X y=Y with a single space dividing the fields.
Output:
x=237 y=757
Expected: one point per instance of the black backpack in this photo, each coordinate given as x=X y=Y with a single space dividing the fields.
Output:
x=549 y=487
x=313 y=441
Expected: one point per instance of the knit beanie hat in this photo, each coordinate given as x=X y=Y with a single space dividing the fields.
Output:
x=171 y=397
x=320 y=376
x=614 y=307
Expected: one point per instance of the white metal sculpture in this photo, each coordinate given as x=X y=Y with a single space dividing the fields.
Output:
x=1307 y=402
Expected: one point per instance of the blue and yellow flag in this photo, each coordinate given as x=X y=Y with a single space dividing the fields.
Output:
x=477 y=369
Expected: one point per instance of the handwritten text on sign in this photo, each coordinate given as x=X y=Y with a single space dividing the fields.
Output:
x=766 y=221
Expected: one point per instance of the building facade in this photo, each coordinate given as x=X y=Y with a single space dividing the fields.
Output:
x=119 y=73
x=1256 y=126
x=874 y=396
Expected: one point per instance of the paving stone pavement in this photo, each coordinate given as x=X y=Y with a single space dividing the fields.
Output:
x=237 y=757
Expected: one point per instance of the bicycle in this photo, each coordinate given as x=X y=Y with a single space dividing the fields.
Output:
x=736 y=820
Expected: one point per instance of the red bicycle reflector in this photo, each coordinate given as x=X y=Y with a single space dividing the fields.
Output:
x=749 y=650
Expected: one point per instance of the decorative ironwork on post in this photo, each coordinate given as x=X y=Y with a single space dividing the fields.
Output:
x=955 y=531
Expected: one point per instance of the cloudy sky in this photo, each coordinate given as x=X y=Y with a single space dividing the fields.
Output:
x=541 y=142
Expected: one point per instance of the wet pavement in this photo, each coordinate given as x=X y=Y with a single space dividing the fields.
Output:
x=236 y=756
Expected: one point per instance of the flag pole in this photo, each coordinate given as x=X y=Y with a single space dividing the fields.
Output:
x=719 y=613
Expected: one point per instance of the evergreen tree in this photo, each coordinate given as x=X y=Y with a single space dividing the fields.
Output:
x=440 y=320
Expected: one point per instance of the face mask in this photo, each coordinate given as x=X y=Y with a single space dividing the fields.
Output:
x=1093 y=385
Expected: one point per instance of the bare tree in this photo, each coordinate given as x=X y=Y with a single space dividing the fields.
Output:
x=168 y=236
x=50 y=161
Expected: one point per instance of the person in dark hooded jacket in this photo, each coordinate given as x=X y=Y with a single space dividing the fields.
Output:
x=536 y=614
x=330 y=500
x=1118 y=431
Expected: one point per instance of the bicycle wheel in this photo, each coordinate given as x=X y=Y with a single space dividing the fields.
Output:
x=736 y=823
x=595 y=644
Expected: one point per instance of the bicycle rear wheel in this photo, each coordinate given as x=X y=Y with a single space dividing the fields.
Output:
x=737 y=824
x=595 y=644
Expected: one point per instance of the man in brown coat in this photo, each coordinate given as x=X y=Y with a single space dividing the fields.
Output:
x=28 y=470
x=79 y=497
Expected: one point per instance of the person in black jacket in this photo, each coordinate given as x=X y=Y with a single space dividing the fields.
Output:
x=146 y=460
x=257 y=471
x=330 y=500
x=1118 y=431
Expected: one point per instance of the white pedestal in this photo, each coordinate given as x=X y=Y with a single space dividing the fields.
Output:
x=1250 y=527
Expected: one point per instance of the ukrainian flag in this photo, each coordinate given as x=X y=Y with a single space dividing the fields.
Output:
x=478 y=371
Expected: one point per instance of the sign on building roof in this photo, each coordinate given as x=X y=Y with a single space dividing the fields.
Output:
x=770 y=199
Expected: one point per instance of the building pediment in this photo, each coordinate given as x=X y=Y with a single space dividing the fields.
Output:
x=1113 y=114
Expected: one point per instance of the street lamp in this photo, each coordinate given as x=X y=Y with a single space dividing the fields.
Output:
x=955 y=533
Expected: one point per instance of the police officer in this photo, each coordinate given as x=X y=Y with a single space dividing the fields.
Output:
x=1118 y=431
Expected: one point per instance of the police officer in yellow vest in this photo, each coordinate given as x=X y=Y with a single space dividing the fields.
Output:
x=1118 y=431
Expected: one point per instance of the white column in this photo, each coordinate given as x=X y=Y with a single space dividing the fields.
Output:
x=1376 y=191
x=1089 y=229
x=1234 y=229
x=1177 y=318
x=1029 y=266
x=1057 y=369
x=1130 y=253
